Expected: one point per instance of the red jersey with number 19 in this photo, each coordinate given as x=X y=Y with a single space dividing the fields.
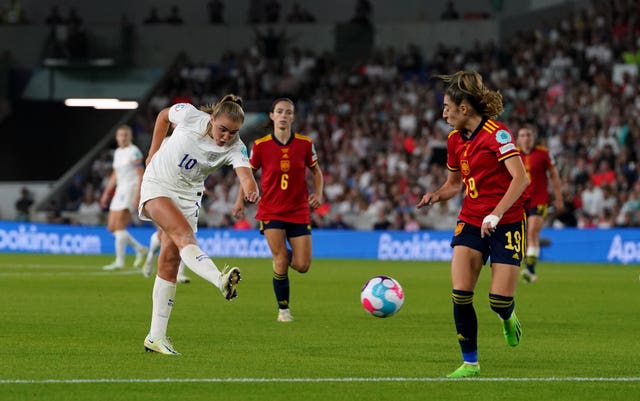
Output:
x=479 y=157
x=285 y=194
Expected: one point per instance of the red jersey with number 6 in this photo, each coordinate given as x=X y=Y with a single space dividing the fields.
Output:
x=284 y=190
x=537 y=162
x=479 y=157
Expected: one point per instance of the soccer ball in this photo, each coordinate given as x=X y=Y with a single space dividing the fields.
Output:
x=382 y=296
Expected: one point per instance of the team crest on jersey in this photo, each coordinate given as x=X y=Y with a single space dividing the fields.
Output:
x=212 y=157
x=503 y=136
x=285 y=165
x=464 y=167
x=458 y=229
x=180 y=106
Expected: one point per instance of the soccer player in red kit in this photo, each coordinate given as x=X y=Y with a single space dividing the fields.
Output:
x=483 y=158
x=284 y=211
x=537 y=163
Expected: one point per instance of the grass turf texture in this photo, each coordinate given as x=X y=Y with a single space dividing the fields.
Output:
x=71 y=331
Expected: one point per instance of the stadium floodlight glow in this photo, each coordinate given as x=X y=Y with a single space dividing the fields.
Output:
x=101 y=103
x=120 y=104
x=87 y=102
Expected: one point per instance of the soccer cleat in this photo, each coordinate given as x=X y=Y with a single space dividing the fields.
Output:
x=528 y=276
x=512 y=330
x=113 y=266
x=284 y=315
x=147 y=268
x=229 y=279
x=465 y=370
x=182 y=279
x=141 y=255
x=161 y=345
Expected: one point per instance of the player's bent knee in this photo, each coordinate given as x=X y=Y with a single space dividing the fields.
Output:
x=302 y=268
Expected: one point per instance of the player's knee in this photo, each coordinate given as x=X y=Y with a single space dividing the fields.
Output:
x=302 y=267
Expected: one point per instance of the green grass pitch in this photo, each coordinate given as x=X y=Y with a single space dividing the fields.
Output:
x=69 y=331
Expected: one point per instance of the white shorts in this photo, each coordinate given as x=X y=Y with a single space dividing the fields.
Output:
x=123 y=198
x=188 y=206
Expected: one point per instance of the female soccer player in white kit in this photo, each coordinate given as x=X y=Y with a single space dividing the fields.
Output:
x=125 y=179
x=202 y=141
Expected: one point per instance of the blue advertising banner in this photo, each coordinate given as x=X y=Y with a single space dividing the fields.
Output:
x=620 y=246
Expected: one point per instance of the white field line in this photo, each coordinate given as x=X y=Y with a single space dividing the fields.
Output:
x=319 y=380
x=18 y=269
x=43 y=266
x=75 y=274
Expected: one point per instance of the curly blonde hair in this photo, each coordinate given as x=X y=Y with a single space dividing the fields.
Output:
x=468 y=86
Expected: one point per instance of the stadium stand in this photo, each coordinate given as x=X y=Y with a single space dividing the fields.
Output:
x=377 y=120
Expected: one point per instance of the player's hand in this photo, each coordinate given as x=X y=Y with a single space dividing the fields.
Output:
x=489 y=225
x=314 y=201
x=237 y=211
x=104 y=201
x=427 y=199
x=252 y=197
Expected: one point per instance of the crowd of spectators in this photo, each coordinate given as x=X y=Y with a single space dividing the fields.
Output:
x=174 y=17
x=258 y=12
x=381 y=140
x=12 y=13
x=67 y=38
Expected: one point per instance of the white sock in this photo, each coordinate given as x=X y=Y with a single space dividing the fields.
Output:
x=154 y=245
x=181 y=269
x=163 y=294
x=200 y=263
x=154 y=242
x=133 y=242
x=533 y=251
x=121 y=246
